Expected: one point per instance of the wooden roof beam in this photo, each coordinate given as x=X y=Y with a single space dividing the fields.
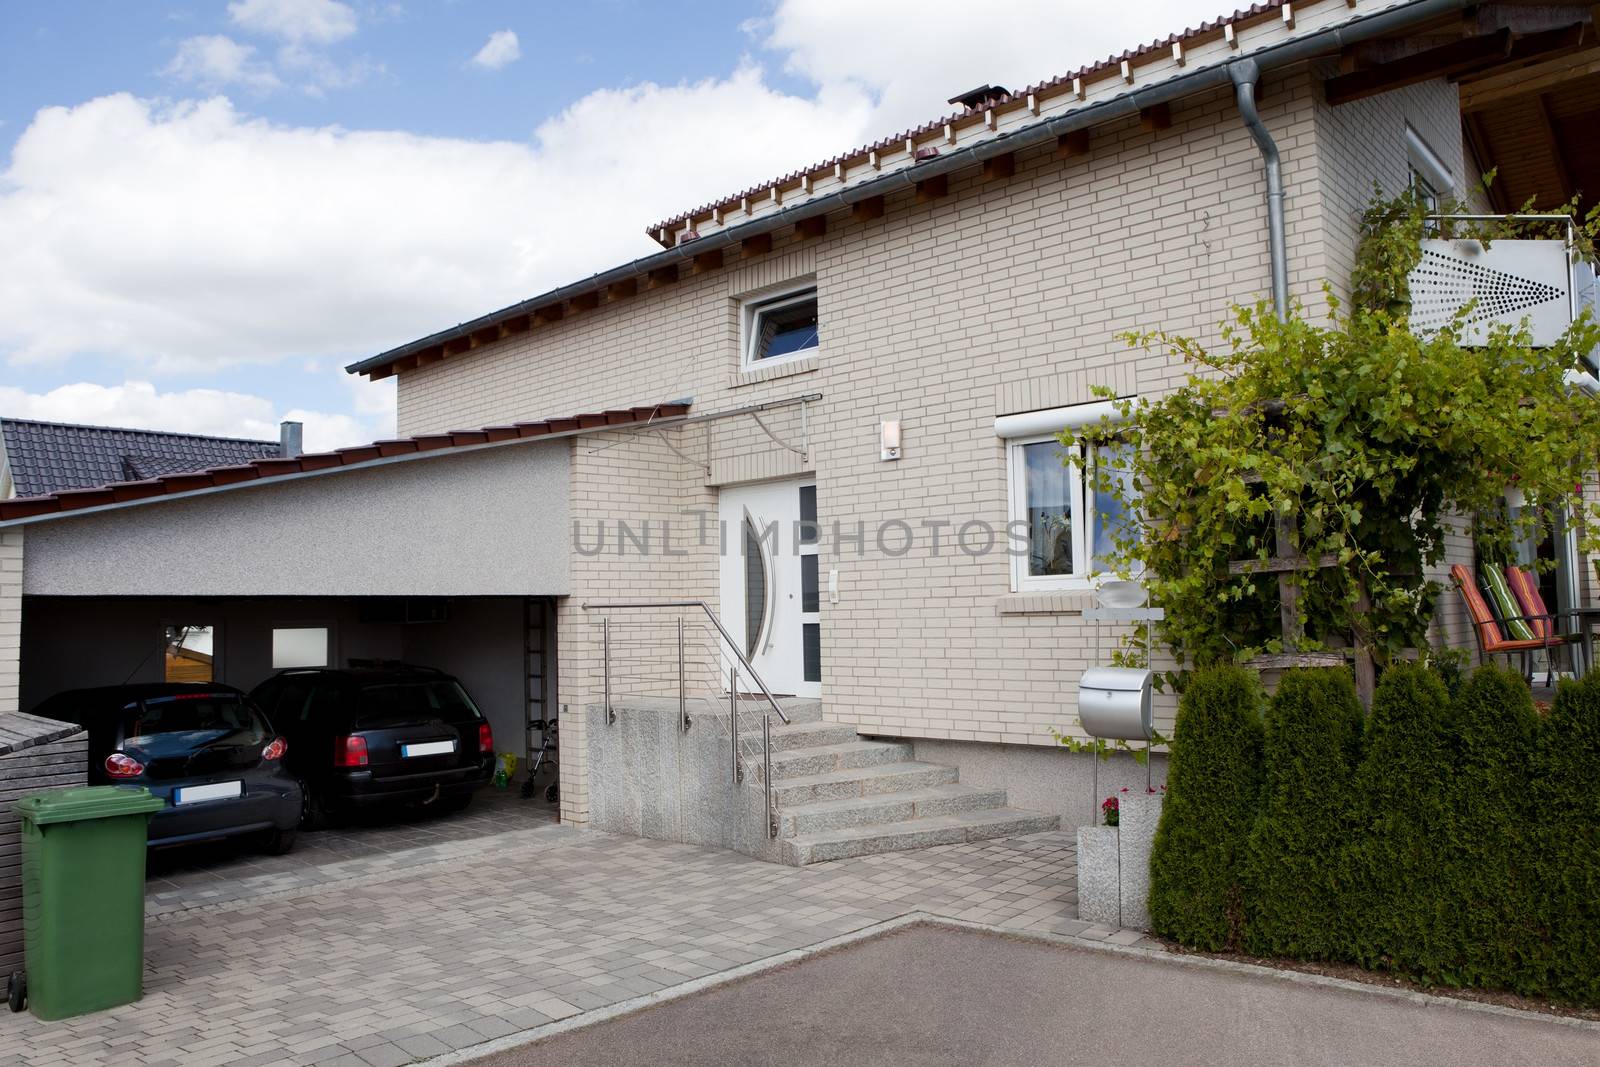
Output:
x=1467 y=54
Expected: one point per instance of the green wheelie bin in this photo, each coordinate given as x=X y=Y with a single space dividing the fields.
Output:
x=83 y=853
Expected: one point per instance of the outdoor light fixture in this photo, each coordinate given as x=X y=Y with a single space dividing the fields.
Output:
x=889 y=437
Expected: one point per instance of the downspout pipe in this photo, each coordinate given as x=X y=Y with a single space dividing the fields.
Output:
x=1246 y=75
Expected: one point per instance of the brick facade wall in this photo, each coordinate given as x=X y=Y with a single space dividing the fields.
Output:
x=10 y=619
x=1000 y=297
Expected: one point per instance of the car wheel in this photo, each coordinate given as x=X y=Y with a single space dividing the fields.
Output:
x=278 y=842
x=313 y=812
x=17 y=991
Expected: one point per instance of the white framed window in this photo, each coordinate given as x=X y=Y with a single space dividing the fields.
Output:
x=1063 y=527
x=1428 y=173
x=779 y=328
x=301 y=646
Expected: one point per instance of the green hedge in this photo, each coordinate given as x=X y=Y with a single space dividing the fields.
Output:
x=1566 y=775
x=1395 y=911
x=1457 y=841
x=1294 y=895
x=1213 y=782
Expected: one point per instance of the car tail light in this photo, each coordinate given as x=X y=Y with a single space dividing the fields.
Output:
x=349 y=751
x=275 y=749
x=122 y=765
x=485 y=740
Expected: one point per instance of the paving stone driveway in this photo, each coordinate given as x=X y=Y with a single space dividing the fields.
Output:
x=384 y=959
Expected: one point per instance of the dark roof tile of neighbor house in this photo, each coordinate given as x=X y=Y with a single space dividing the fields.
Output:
x=46 y=457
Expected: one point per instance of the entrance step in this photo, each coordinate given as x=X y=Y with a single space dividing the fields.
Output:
x=951 y=799
x=956 y=829
x=860 y=782
x=795 y=735
x=851 y=755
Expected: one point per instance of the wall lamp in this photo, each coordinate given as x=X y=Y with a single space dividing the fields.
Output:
x=889 y=439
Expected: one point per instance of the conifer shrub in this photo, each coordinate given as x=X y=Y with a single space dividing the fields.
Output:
x=1297 y=886
x=1395 y=916
x=1486 y=882
x=1566 y=785
x=1213 y=782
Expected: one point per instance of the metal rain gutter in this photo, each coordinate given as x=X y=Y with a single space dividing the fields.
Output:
x=1130 y=103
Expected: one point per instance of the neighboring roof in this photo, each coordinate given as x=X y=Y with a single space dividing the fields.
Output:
x=46 y=457
x=119 y=493
x=1064 y=107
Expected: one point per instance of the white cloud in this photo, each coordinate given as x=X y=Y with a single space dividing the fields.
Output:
x=500 y=49
x=185 y=237
x=913 y=55
x=296 y=21
x=217 y=412
x=215 y=62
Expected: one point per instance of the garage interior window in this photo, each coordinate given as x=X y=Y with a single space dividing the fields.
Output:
x=299 y=646
x=190 y=654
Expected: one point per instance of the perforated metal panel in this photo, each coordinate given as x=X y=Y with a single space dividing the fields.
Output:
x=1510 y=281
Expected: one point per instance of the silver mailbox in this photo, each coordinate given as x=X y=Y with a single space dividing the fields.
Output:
x=1114 y=703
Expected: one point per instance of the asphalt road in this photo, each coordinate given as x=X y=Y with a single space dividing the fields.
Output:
x=927 y=996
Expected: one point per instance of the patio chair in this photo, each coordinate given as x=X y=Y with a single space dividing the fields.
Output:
x=1492 y=628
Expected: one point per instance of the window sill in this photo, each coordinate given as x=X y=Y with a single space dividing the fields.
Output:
x=785 y=369
x=1059 y=602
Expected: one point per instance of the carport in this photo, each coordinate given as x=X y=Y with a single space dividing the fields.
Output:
x=437 y=551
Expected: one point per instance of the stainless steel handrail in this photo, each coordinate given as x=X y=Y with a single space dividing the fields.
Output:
x=620 y=605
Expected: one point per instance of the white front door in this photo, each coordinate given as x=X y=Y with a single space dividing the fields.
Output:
x=771 y=601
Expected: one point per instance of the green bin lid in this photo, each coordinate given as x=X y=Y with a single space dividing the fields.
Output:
x=87 y=802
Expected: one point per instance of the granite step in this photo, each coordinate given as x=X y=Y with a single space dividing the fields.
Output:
x=860 y=782
x=851 y=755
x=956 y=829
x=797 y=735
x=951 y=799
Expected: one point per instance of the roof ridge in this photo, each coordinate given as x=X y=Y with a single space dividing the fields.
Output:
x=4 y=420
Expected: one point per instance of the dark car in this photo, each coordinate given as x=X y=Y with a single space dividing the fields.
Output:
x=379 y=737
x=206 y=749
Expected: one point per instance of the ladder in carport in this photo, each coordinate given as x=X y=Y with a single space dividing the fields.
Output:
x=536 y=673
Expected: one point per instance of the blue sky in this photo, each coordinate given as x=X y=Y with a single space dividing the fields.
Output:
x=210 y=207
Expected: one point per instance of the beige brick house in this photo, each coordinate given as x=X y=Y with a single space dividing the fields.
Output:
x=870 y=356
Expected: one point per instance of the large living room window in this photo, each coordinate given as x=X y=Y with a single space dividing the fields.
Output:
x=780 y=328
x=1062 y=528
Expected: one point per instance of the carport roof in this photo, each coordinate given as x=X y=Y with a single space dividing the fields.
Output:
x=243 y=475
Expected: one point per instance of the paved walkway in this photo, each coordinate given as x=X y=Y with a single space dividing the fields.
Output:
x=376 y=961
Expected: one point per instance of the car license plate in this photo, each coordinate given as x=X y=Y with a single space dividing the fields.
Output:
x=193 y=794
x=428 y=748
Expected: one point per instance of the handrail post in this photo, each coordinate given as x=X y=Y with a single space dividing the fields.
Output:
x=605 y=670
x=683 y=704
x=766 y=747
x=733 y=721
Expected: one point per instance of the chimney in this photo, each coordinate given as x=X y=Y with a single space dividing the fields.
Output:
x=984 y=96
x=289 y=440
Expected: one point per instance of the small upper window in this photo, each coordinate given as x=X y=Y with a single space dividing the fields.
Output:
x=780 y=327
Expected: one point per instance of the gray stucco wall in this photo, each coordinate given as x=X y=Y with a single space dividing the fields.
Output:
x=1052 y=780
x=491 y=522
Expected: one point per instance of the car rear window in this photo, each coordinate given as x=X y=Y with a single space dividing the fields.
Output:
x=391 y=703
x=168 y=725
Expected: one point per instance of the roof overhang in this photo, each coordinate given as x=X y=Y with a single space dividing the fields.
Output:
x=75 y=502
x=1529 y=82
x=1288 y=34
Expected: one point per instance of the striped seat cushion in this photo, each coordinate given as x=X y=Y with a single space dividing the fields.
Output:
x=1525 y=587
x=1483 y=620
x=1505 y=606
